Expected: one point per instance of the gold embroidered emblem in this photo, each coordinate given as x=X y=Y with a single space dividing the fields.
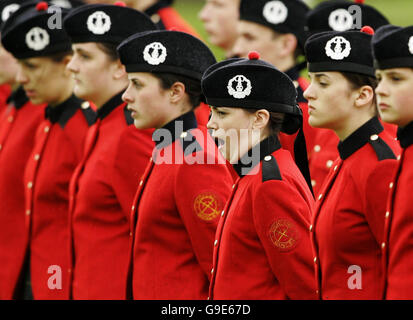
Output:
x=207 y=206
x=284 y=235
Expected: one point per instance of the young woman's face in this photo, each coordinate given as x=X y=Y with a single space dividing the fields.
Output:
x=92 y=72
x=147 y=100
x=394 y=95
x=232 y=127
x=330 y=100
x=44 y=80
x=220 y=19
x=8 y=69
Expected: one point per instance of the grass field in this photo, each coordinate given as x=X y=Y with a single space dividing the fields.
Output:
x=399 y=12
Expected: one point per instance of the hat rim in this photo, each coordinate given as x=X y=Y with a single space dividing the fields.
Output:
x=254 y=104
x=163 y=69
x=341 y=67
x=402 y=62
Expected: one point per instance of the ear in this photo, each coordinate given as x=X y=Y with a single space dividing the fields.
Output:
x=261 y=119
x=119 y=70
x=177 y=92
x=288 y=44
x=365 y=96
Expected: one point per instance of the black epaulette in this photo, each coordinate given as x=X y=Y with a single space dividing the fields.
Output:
x=189 y=143
x=270 y=169
x=89 y=113
x=128 y=116
x=383 y=151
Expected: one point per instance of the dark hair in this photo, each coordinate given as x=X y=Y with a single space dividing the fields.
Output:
x=192 y=87
x=109 y=49
x=58 y=57
x=275 y=123
x=358 y=80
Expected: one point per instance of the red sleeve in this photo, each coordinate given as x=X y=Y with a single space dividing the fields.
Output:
x=201 y=191
x=376 y=193
x=131 y=156
x=281 y=217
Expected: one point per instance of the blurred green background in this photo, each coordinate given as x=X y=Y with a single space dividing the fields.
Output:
x=399 y=12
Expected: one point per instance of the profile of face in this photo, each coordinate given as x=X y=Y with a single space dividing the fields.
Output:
x=148 y=102
x=44 y=80
x=330 y=100
x=220 y=19
x=273 y=47
x=236 y=130
x=93 y=72
x=394 y=95
x=8 y=69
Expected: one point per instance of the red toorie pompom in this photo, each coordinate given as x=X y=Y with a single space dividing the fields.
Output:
x=359 y=1
x=253 y=55
x=120 y=4
x=367 y=29
x=42 y=6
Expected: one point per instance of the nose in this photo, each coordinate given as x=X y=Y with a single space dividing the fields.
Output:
x=204 y=13
x=309 y=92
x=240 y=49
x=72 y=65
x=381 y=89
x=212 y=125
x=126 y=96
x=20 y=76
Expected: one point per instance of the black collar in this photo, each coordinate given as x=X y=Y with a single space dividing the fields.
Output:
x=109 y=106
x=405 y=135
x=157 y=6
x=265 y=148
x=18 y=98
x=294 y=75
x=359 y=138
x=64 y=111
x=181 y=124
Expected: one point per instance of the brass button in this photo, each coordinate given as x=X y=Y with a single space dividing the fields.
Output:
x=46 y=129
x=36 y=156
x=320 y=196
x=315 y=260
x=141 y=183
x=335 y=168
x=215 y=243
x=212 y=270
x=10 y=119
x=311 y=228
x=267 y=158
x=317 y=148
x=387 y=214
x=329 y=163
x=374 y=137
x=85 y=105
x=313 y=183
x=222 y=213
x=383 y=245
x=30 y=185
x=391 y=185
x=28 y=212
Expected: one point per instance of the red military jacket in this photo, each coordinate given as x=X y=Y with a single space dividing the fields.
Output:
x=17 y=131
x=324 y=152
x=175 y=213
x=398 y=235
x=262 y=245
x=57 y=151
x=4 y=95
x=101 y=192
x=348 y=220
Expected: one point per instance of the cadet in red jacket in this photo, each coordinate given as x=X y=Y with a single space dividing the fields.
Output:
x=58 y=145
x=348 y=219
x=276 y=30
x=262 y=246
x=336 y=16
x=103 y=185
x=393 y=52
x=8 y=64
x=18 y=126
x=220 y=18
x=186 y=183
